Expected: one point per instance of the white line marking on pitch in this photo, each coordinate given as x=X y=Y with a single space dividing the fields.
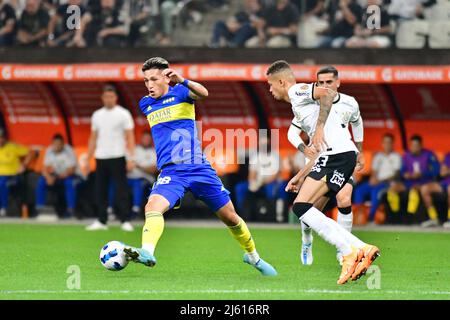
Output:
x=6 y=292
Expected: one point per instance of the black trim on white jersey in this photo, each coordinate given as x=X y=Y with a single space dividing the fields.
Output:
x=312 y=91
x=339 y=98
x=356 y=119
x=296 y=126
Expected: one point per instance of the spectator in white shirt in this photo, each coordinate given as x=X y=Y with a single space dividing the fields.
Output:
x=408 y=9
x=111 y=135
x=385 y=168
x=59 y=174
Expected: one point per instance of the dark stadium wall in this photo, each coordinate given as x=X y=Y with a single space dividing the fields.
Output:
x=208 y=55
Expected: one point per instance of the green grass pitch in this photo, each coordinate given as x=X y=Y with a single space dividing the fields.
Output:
x=206 y=263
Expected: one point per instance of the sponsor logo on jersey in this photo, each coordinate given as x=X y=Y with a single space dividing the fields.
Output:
x=160 y=115
x=337 y=178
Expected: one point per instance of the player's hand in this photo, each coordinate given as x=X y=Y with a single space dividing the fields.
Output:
x=310 y=152
x=360 y=162
x=50 y=180
x=131 y=165
x=294 y=184
x=318 y=140
x=373 y=180
x=173 y=75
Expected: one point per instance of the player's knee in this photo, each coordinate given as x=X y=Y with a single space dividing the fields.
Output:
x=424 y=189
x=228 y=216
x=300 y=208
x=344 y=200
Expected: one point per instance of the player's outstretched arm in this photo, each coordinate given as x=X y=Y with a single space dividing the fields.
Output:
x=196 y=90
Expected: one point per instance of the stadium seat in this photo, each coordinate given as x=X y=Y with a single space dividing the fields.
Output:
x=80 y=100
x=439 y=12
x=412 y=34
x=440 y=35
x=37 y=161
x=34 y=111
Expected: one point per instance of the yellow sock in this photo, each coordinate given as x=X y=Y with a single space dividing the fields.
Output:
x=394 y=201
x=432 y=213
x=448 y=214
x=413 y=201
x=241 y=233
x=152 y=231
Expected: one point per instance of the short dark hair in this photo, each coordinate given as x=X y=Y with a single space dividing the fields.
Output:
x=109 y=87
x=389 y=135
x=416 y=137
x=328 y=69
x=277 y=66
x=58 y=136
x=155 y=63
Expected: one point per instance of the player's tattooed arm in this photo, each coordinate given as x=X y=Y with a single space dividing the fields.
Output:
x=196 y=90
x=326 y=101
x=360 y=160
x=325 y=97
x=359 y=145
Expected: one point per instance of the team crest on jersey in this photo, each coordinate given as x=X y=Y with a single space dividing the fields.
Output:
x=169 y=100
x=337 y=178
x=149 y=108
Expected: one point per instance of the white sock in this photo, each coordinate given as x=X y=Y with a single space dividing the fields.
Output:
x=345 y=220
x=327 y=228
x=306 y=233
x=350 y=237
x=253 y=257
x=149 y=247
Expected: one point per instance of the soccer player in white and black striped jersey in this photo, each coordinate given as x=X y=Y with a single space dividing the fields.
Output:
x=348 y=110
x=331 y=170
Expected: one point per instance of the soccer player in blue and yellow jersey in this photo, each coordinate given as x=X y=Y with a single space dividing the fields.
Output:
x=171 y=114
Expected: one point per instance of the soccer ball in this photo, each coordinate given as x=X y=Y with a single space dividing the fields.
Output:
x=112 y=256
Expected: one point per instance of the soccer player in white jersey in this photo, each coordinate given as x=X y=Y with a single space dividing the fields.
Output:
x=348 y=110
x=331 y=170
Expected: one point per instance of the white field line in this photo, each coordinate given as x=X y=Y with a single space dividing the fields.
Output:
x=225 y=291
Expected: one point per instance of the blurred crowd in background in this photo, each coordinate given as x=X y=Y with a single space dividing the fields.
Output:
x=226 y=23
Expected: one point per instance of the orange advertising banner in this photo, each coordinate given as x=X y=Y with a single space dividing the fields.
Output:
x=221 y=72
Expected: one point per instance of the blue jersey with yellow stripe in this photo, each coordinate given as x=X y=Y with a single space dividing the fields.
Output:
x=172 y=122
